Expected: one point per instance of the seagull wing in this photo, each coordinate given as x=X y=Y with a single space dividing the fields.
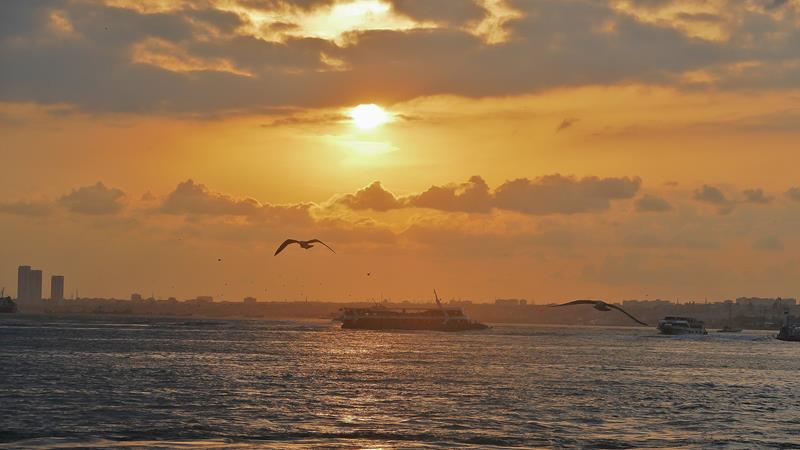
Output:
x=626 y=313
x=283 y=246
x=317 y=240
x=577 y=302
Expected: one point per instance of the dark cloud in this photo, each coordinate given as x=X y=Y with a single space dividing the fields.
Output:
x=472 y=196
x=294 y=120
x=774 y=4
x=558 y=194
x=94 y=70
x=793 y=193
x=281 y=5
x=94 y=200
x=756 y=196
x=552 y=194
x=194 y=198
x=769 y=243
x=710 y=194
x=652 y=203
x=644 y=239
x=26 y=208
x=373 y=197
x=453 y=12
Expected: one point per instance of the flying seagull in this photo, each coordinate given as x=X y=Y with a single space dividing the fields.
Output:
x=601 y=306
x=305 y=244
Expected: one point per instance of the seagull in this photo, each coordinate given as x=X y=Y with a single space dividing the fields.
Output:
x=305 y=244
x=601 y=306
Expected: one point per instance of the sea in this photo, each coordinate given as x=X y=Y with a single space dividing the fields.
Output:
x=143 y=382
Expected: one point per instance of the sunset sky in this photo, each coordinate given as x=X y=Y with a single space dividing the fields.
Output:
x=539 y=149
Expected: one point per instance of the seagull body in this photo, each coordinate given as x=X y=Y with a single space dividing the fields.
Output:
x=304 y=244
x=601 y=306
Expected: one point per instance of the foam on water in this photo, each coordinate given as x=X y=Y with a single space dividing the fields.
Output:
x=95 y=382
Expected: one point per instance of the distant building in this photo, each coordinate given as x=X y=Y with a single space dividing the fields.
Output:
x=458 y=302
x=510 y=302
x=250 y=300
x=646 y=303
x=204 y=299
x=57 y=287
x=23 y=277
x=760 y=302
x=35 y=285
x=136 y=297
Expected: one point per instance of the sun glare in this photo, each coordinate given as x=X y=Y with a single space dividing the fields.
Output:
x=368 y=116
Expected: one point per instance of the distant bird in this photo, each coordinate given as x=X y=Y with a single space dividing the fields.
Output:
x=600 y=306
x=305 y=244
x=369 y=273
x=219 y=259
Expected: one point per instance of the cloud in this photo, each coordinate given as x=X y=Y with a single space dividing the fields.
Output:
x=194 y=198
x=793 y=193
x=775 y=4
x=27 y=208
x=769 y=243
x=94 y=200
x=651 y=203
x=453 y=12
x=714 y=196
x=558 y=194
x=373 y=197
x=756 y=196
x=710 y=194
x=472 y=196
x=551 y=194
x=181 y=58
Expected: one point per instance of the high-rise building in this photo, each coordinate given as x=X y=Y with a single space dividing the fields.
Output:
x=23 y=275
x=57 y=287
x=35 y=285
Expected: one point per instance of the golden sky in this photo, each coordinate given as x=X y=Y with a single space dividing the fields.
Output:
x=547 y=150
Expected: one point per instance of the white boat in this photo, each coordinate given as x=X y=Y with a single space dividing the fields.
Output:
x=379 y=317
x=681 y=325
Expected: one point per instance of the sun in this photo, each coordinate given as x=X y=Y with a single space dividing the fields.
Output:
x=368 y=116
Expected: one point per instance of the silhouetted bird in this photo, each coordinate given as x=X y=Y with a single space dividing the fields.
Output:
x=219 y=259
x=305 y=244
x=601 y=306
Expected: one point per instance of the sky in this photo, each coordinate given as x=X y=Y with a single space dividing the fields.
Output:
x=538 y=149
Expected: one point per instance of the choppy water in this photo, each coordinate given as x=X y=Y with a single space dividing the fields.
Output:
x=112 y=381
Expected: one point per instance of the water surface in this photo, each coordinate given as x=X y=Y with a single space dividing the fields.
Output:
x=76 y=381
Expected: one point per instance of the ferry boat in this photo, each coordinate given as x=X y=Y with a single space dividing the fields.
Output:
x=681 y=325
x=379 y=317
x=7 y=306
x=790 y=331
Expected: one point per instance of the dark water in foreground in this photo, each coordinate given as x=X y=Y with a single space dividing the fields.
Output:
x=111 y=381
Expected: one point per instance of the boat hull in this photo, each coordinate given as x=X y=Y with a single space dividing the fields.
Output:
x=675 y=331
x=789 y=334
x=7 y=306
x=385 y=323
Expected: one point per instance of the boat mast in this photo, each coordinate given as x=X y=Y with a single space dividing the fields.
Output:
x=439 y=303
